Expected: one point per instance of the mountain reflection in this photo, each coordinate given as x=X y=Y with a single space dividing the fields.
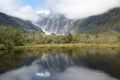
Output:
x=62 y=67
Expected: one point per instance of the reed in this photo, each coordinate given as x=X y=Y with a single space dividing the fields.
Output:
x=80 y=45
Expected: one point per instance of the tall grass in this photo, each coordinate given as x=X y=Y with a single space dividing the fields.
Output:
x=80 y=45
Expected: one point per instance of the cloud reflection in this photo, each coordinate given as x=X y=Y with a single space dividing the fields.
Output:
x=79 y=73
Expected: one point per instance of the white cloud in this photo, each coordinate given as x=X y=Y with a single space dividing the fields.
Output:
x=7 y=5
x=27 y=13
x=82 y=8
x=70 y=8
x=15 y=8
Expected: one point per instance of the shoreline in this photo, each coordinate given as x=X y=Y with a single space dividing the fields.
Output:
x=79 y=45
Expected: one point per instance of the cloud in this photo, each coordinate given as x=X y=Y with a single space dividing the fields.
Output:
x=27 y=13
x=15 y=8
x=82 y=8
x=79 y=73
x=24 y=73
x=72 y=9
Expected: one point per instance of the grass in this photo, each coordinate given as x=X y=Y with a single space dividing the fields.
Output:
x=68 y=46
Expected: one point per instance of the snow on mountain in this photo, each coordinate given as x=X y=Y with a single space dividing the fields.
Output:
x=51 y=22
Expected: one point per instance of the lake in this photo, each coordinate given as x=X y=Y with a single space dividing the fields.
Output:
x=60 y=64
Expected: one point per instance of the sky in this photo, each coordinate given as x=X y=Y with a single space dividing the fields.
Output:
x=73 y=9
x=34 y=3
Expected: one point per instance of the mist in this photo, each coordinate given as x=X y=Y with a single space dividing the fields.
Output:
x=72 y=9
x=75 y=9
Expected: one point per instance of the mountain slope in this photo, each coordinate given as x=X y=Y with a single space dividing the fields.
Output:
x=27 y=26
x=101 y=23
x=58 y=24
x=54 y=23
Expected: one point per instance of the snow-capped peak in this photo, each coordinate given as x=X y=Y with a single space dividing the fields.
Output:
x=44 y=12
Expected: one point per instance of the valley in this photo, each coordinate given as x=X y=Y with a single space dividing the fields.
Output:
x=59 y=40
x=57 y=29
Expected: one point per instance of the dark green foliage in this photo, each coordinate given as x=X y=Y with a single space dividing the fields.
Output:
x=10 y=36
x=68 y=38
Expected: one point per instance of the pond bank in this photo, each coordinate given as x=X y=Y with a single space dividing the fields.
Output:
x=69 y=46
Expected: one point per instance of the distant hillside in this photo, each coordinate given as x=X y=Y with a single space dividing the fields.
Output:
x=27 y=26
x=59 y=24
x=101 y=23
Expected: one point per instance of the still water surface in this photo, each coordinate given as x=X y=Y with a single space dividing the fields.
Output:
x=60 y=64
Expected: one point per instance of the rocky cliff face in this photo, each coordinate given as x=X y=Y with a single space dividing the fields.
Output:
x=54 y=23
x=59 y=24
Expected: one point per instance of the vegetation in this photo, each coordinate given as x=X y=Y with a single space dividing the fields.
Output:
x=10 y=37
x=103 y=38
x=101 y=23
x=67 y=46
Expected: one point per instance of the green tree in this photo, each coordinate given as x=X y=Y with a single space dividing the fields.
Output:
x=10 y=36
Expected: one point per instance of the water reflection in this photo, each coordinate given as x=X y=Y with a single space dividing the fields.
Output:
x=80 y=73
x=79 y=64
x=24 y=73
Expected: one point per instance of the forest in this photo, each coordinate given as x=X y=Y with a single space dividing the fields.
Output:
x=10 y=37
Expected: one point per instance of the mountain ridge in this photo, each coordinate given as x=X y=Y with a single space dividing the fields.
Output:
x=18 y=23
x=59 y=24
